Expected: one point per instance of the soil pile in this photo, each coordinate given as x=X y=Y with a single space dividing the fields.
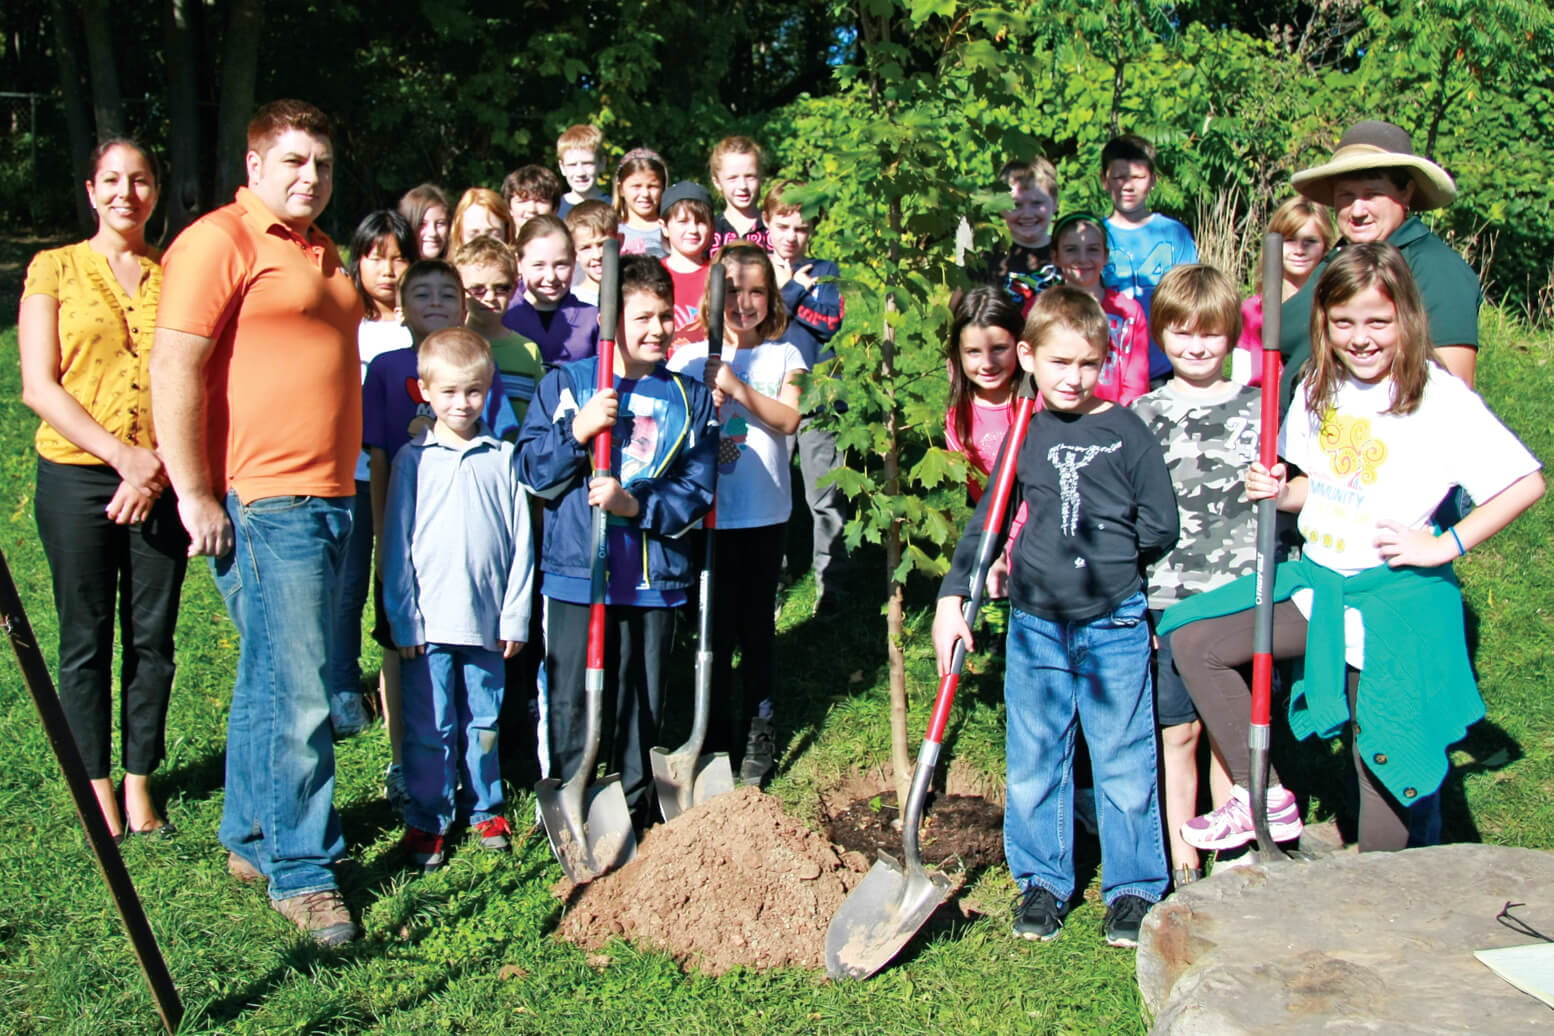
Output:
x=734 y=882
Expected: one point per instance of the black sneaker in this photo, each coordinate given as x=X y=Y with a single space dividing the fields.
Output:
x=1037 y=915
x=760 y=752
x=1123 y=918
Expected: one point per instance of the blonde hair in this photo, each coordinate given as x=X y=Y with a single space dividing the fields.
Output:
x=485 y=198
x=1290 y=216
x=1373 y=264
x=732 y=146
x=1195 y=297
x=453 y=351
x=1040 y=172
x=1062 y=307
x=581 y=137
x=486 y=250
x=743 y=253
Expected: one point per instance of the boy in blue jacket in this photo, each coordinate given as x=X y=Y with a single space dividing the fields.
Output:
x=814 y=303
x=664 y=464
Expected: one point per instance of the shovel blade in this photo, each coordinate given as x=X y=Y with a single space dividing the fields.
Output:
x=604 y=841
x=880 y=917
x=681 y=786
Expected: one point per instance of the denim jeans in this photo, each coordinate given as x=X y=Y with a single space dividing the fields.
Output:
x=1097 y=673
x=346 y=712
x=279 y=587
x=452 y=696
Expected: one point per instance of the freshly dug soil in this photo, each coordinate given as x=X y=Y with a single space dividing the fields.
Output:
x=734 y=882
x=959 y=832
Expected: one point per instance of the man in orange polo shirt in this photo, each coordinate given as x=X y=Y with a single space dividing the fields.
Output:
x=255 y=393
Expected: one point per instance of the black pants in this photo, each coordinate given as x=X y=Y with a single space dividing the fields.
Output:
x=637 y=642
x=744 y=599
x=95 y=564
x=1209 y=654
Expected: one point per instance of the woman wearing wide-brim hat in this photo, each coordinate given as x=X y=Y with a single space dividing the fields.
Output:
x=1374 y=184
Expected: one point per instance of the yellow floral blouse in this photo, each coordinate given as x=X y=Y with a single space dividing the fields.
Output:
x=104 y=344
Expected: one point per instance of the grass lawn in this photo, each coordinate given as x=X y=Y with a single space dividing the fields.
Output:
x=470 y=948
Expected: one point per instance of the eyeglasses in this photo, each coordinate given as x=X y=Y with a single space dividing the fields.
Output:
x=480 y=291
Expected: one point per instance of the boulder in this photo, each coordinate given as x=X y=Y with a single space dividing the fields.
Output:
x=1374 y=942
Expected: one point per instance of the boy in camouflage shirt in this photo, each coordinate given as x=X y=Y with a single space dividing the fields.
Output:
x=1208 y=428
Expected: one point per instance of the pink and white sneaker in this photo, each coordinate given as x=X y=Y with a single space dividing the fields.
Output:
x=1230 y=826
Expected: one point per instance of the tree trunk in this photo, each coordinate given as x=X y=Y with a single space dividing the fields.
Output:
x=107 y=106
x=75 y=107
x=895 y=616
x=239 y=70
x=181 y=195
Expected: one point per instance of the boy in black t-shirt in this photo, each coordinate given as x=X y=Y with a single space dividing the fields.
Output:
x=1100 y=508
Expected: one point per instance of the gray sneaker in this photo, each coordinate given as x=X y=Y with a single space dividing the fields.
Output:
x=394 y=788
x=321 y=916
x=242 y=870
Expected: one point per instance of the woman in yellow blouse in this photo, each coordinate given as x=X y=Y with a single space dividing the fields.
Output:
x=106 y=517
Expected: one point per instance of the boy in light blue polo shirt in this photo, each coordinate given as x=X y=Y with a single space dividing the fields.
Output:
x=1142 y=245
x=457 y=572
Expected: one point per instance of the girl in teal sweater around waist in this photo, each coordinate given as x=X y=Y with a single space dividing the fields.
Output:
x=1379 y=434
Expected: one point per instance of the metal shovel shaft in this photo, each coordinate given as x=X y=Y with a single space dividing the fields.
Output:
x=1267 y=516
x=35 y=674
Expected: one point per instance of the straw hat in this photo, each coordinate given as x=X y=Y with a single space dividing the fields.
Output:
x=1371 y=145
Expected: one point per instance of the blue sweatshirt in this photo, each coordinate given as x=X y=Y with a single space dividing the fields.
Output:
x=458 y=560
x=814 y=313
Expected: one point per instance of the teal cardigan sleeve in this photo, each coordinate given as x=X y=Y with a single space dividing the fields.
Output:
x=1417 y=694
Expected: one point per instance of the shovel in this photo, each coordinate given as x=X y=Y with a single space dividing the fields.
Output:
x=588 y=825
x=1262 y=632
x=684 y=777
x=891 y=902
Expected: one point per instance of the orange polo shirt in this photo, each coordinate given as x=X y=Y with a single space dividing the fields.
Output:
x=283 y=404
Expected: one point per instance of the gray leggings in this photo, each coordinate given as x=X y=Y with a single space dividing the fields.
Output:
x=1209 y=655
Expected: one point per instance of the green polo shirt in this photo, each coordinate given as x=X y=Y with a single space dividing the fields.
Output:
x=1447 y=284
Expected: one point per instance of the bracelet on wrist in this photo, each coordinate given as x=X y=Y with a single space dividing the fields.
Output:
x=1461 y=550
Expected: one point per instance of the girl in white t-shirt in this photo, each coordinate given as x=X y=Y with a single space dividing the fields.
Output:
x=754 y=382
x=1380 y=432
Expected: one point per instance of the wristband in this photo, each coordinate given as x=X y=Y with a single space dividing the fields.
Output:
x=1461 y=550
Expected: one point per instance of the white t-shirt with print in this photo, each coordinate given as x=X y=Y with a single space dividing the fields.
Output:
x=1366 y=465
x=753 y=487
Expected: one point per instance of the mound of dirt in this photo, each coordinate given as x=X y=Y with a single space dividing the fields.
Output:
x=734 y=882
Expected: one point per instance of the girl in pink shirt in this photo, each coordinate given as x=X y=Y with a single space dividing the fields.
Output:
x=1308 y=235
x=982 y=364
x=1079 y=245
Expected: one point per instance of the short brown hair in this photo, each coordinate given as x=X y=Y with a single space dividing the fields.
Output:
x=581 y=137
x=595 y=215
x=774 y=204
x=275 y=118
x=1195 y=297
x=454 y=350
x=533 y=183
x=425 y=269
x=1064 y=307
x=486 y=250
x=1039 y=171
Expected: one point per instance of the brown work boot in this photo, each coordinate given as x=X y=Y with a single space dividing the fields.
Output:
x=321 y=915
x=242 y=870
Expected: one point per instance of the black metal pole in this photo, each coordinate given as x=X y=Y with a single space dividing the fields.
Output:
x=35 y=673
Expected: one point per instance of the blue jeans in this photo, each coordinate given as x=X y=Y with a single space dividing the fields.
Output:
x=452 y=696
x=1098 y=673
x=346 y=712
x=279 y=587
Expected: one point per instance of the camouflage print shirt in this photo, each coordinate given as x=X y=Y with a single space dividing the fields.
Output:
x=1209 y=442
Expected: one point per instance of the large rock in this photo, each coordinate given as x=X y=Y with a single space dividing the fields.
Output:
x=1379 y=942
